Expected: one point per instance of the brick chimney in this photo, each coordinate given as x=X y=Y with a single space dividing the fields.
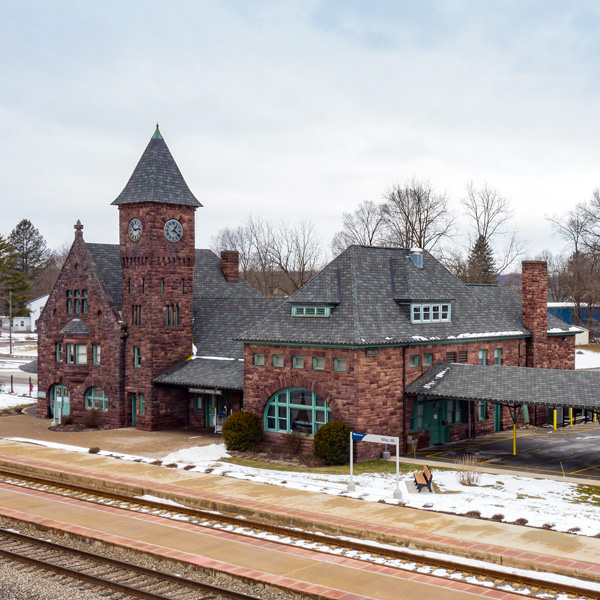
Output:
x=535 y=311
x=230 y=260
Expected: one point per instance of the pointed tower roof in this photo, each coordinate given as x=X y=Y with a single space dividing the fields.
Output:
x=157 y=178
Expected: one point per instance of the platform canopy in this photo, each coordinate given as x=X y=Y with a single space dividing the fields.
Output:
x=510 y=385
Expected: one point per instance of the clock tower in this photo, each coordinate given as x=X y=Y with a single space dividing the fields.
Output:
x=157 y=240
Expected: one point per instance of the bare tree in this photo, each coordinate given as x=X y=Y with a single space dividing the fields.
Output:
x=363 y=227
x=45 y=280
x=489 y=213
x=414 y=214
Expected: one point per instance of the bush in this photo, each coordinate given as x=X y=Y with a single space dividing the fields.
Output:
x=469 y=472
x=521 y=521
x=92 y=419
x=498 y=517
x=332 y=443
x=241 y=431
x=292 y=442
x=68 y=420
x=94 y=450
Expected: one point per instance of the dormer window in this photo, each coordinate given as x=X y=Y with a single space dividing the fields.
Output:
x=311 y=311
x=430 y=313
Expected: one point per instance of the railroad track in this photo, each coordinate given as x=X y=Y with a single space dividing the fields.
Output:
x=484 y=574
x=126 y=579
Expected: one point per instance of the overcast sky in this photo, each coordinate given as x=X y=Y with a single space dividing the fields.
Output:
x=291 y=109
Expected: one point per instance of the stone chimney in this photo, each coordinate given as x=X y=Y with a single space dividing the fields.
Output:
x=230 y=261
x=535 y=311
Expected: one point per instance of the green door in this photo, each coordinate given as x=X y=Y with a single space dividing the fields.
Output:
x=60 y=397
x=133 y=409
x=497 y=417
x=209 y=401
x=435 y=415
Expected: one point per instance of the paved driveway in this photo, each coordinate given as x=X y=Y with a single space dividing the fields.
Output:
x=572 y=450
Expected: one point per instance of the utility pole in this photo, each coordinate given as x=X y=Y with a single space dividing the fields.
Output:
x=10 y=323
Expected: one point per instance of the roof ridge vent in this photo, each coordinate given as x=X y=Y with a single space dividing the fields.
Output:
x=416 y=255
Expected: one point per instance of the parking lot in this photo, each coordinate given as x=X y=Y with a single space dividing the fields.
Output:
x=572 y=451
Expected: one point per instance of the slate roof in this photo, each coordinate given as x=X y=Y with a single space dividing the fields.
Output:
x=75 y=327
x=205 y=373
x=157 y=178
x=371 y=305
x=510 y=385
x=507 y=302
x=108 y=264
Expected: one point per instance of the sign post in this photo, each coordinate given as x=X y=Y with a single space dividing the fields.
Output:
x=377 y=439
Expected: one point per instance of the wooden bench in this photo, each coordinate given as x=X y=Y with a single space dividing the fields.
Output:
x=423 y=479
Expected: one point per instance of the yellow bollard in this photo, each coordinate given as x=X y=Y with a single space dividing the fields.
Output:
x=554 y=419
x=595 y=416
x=571 y=416
x=514 y=439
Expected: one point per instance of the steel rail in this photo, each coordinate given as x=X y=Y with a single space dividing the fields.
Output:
x=164 y=577
x=450 y=564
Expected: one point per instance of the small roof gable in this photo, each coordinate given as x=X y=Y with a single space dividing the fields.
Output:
x=157 y=178
x=372 y=289
x=75 y=327
x=509 y=385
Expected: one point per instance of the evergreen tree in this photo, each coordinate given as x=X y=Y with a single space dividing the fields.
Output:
x=11 y=280
x=31 y=252
x=481 y=267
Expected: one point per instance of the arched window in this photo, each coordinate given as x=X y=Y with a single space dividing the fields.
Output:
x=296 y=409
x=95 y=398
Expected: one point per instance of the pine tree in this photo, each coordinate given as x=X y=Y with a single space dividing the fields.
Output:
x=11 y=280
x=481 y=267
x=31 y=252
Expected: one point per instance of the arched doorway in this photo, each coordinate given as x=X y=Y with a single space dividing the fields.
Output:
x=60 y=401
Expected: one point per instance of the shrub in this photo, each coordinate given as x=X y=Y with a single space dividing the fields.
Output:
x=94 y=450
x=241 y=431
x=68 y=420
x=92 y=419
x=332 y=443
x=521 y=521
x=469 y=469
x=292 y=442
x=498 y=517
x=473 y=514
x=548 y=526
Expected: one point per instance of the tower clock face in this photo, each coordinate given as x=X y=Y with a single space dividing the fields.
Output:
x=173 y=230
x=135 y=229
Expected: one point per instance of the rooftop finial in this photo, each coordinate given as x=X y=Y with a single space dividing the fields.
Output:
x=78 y=228
x=157 y=135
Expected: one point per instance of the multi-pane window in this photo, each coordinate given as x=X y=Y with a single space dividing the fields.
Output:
x=278 y=360
x=95 y=399
x=96 y=354
x=76 y=354
x=136 y=314
x=172 y=314
x=413 y=360
x=77 y=301
x=430 y=313
x=427 y=360
x=483 y=357
x=296 y=409
x=137 y=356
x=455 y=412
x=498 y=356
x=298 y=362
x=318 y=363
x=417 y=417
x=59 y=351
x=482 y=411
x=311 y=311
x=259 y=360
x=340 y=364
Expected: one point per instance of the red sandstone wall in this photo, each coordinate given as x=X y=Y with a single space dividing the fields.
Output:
x=535 y=311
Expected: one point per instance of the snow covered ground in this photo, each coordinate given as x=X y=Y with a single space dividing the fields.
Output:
x=24 y=344
x=587 y=359
x=563 y=505
x=8 y=400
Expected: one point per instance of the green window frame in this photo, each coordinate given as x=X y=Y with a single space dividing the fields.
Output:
x=81 y=354
x=482 y=411
x=278 y=360
x=417 y=416
x=318 y=363
x=498 y=356
x=298 y=362
x=431 y=313
x=96 y=399
x=182 y=285
x=413 y=360
x=70 y=354
x=59 y=352
x=198 y=403
x=143 y=285
x=96 y=354
x=162 y=286
x=427 y=360
x=311 y=311
x=259 y=360
x=142 y=409
x=296 y=409
x=137 y=356
x=340 y=364
x=483 y=357
x=84 y=302
x=69 y=301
